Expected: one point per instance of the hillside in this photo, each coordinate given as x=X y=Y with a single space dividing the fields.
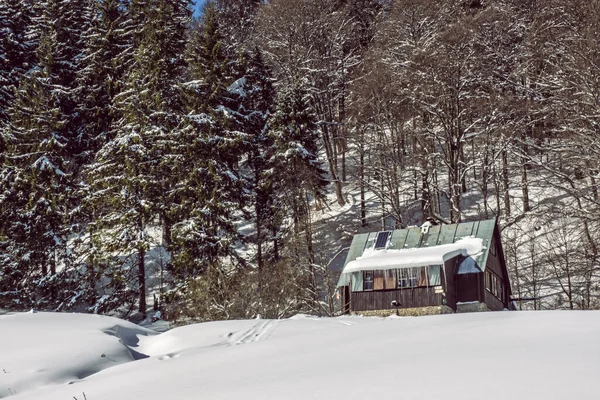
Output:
x=217 y=165
x=533 y=355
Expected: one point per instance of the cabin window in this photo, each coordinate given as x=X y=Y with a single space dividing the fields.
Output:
x=494 y=285
x=390 y=279
x=413 y=277
x=379 y=279
x=498 y=293
x=404 y=278
x=488 y=281
x=435 y=278
x=423 y=281
x=357 y=281
x=419 y=277
x=368 y=280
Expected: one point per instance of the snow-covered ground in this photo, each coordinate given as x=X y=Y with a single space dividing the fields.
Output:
x=515 y=355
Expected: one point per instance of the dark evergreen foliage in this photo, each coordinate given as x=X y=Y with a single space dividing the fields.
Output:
x=16 y=51
x=209 y=188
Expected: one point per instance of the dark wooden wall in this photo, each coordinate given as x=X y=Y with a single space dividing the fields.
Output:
x=494 y=264
x=448 y=282
x=468 y=287
x=381 y=300
x=492 y=302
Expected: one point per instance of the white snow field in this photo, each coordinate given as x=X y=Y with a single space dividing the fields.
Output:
x=514 y=355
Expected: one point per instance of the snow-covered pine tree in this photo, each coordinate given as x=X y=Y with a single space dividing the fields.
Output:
x=299 y=178
x=64 y=24
x=106 y=58
x=237 y=20
x=209 y=188
x=17 y=50
x=130 y=180
x=40 y=161
x=256 y=97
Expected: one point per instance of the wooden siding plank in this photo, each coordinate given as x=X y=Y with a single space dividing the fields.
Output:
x=408 y=298
x=492 y=302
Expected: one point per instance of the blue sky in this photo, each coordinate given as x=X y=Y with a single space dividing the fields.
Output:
x=199 y=4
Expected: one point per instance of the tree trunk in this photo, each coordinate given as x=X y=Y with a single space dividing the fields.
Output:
x=275 y=245
x=342 y=120
x=524 y=183
x=329 y=151
x=142 y=281
x=425 y=196
x=533 y=276
x=525 y=188
x=463 y=175
x=484 y=181
x=382 y=206
x=496 y=188
x=363 y=204
x=505 y=183
x=308 y=231
x=570 y=287
x=594 y=185
x=517 y=277
x=259 y=256
x=166 y=229
x=53 y=264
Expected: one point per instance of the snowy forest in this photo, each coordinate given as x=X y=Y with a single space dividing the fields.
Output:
x=212 y=168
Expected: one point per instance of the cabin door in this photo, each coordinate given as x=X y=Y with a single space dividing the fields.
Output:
x=467 y=287
x=346 y=300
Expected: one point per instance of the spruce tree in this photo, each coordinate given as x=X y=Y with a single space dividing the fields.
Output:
x=237 y=19
x=298 y=179
x=209 y=188
x=41 y=157
x=295 y=132
x=16 y=50
x=256 y=97
x=132 y=173
x=105 y=60
x=17 y=55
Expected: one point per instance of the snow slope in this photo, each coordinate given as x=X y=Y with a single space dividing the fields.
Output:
x=517 y=355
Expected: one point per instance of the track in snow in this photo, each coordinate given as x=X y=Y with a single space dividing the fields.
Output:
x=260 y=331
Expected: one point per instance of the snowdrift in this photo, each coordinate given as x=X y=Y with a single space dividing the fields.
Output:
x=516 y=355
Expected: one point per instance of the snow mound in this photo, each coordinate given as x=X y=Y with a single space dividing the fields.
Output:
x=44 y=349
x=532 y=355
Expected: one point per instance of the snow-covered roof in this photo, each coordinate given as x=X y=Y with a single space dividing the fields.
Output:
x=421 y=246
x=467 y=265
x=417 y=257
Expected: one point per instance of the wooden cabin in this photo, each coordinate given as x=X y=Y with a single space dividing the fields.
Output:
x=426 y=270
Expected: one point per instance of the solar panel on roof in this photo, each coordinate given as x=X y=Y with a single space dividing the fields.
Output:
x=382 y=238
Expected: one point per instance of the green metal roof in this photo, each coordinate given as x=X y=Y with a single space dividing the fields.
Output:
x=414 y=237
